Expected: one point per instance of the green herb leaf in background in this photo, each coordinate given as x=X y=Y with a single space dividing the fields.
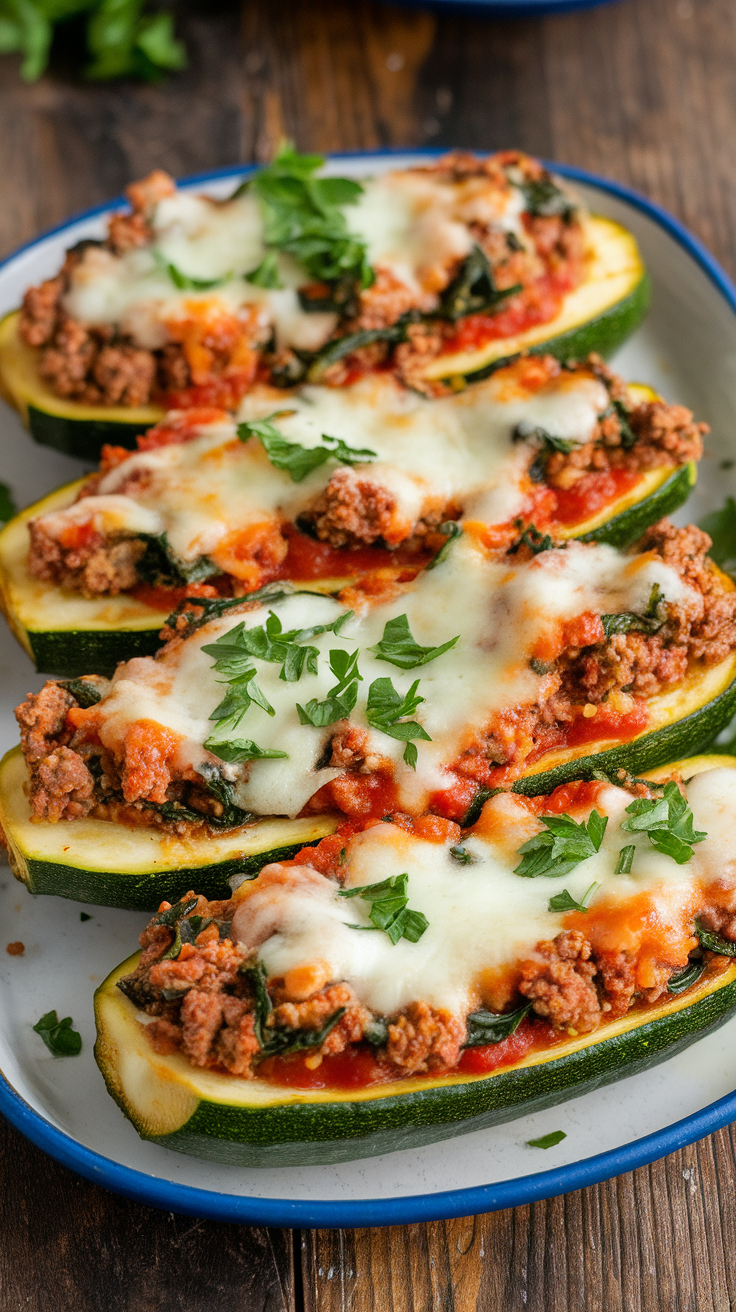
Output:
x=721 y=528
x=58 y=1035
x=8 y=507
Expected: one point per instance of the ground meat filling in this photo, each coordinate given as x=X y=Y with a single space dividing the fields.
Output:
x=354 y=510
x=198 y=987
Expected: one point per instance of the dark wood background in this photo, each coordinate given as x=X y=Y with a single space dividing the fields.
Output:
x=642 y=90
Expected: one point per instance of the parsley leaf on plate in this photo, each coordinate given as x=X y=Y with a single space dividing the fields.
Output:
x=565 y=844
x=8 y=507
x=721 y=528
x=58 y=1035
x=399 y=647
x=547 y=1140
x=668 y=823
x=564 y=901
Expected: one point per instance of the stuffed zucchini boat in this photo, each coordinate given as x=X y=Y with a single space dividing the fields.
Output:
x=339 y=484
x=487 y=672
x=557 y=946
x=437 y=272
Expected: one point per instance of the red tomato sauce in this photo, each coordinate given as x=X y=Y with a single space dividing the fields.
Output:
x=307 y=558
x=591 y=494
x=607 y=723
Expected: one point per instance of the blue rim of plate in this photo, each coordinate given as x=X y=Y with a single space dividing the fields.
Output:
x=323 y=1213
x=504 y=8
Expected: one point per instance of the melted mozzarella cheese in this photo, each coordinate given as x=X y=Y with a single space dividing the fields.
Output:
x=483 y=917
x=429 y=454
x=501 y=613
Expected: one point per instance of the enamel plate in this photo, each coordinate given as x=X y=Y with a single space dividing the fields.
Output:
x=687 y=350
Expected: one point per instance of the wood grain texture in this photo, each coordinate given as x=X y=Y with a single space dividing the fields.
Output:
x=642 y=90
x=660 y=1239
x=67 y=1244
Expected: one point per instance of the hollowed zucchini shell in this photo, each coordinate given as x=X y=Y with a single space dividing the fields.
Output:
x=598 y=316
x=66 y=633
x=115 y=865
x=254 y=1123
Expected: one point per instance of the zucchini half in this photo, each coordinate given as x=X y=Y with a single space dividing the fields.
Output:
x=597 y=316
x=65 y=633
x=113 y=865
x=254 y=1123
x=69 y=426
x=117 y=866
x=681 y=722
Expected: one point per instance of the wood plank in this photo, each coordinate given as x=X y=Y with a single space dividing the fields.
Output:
x=68 y=1244
x=657 y=1239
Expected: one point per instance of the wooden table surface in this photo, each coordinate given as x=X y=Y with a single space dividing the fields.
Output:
x=641 y=90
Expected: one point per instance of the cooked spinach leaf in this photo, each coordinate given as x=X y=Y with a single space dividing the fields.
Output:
x=451 y=530
x=545 y=200
x=489 y=1027
x=85 y=694
x=685 y=978
x=8 y=507
x=532 y=538
x=714 y=942
x=473 y=290
x=626 y=621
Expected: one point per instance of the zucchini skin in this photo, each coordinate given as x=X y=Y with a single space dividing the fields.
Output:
x=625 y=528
x=72 y=652
x=83 y=438
x=604 y=334
x=671 y=742
x=146 y=891
x=322 y=1131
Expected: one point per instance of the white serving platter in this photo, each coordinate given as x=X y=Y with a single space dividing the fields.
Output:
x=687 y=350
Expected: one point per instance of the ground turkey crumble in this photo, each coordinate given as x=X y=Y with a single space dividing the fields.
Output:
x=354 y=510
x=203 y=1004
x=97 y=365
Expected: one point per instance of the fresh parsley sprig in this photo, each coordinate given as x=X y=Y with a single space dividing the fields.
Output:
x=399 y=647
x=237 y=750
x=390 y=909
x=668 y=823
x=341 y=699
x=303 y=216
x=296 y=460
x=565 y=844
x=564 y=901
x=290 y=649
x=386 y=710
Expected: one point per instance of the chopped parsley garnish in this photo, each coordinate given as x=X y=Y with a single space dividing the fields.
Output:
x=266 y=274
x=236 y=750
x=399 y=647
x=491 y=1027
x=58 y=1035
x=341 y=699
x=649 y=622
x=451 y=530
x=462 y=856
x=544 y=199
x=668 y=823
x=547 y=1140
x=721 y=528
x=625 y=859
x=187 y=284
x=269 y=642
x=564 y=901
x=299 y=461
x=565 y=844
x=386 y=710
x=303 y=216
x=390 y=909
